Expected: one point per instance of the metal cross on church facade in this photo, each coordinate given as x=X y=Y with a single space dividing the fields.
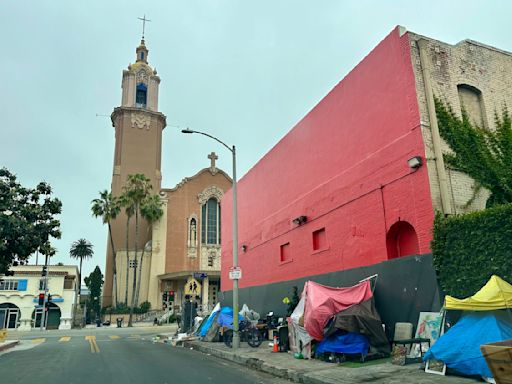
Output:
x=213 y=156
x=143 y=24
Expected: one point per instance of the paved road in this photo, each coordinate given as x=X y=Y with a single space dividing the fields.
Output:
x=115 y=356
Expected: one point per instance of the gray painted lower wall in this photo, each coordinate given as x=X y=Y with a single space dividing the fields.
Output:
x=405 y=287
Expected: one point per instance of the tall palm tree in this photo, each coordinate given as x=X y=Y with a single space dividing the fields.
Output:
x=81 y=249
x=137 y=189
x=129 y=209
x=107 y=207
x=150 y=210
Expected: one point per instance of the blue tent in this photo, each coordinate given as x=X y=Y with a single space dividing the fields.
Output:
x=350 y=342
x=459 y=347
x=207 y=324
x=225 y=318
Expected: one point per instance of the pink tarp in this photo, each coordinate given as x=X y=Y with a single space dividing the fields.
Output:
x=324 y=302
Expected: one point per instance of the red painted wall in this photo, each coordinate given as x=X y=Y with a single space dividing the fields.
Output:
x=344 y=166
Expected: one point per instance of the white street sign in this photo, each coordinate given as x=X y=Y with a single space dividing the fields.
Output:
x=235 y=273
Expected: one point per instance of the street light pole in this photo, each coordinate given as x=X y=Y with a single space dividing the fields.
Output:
x=236 y=333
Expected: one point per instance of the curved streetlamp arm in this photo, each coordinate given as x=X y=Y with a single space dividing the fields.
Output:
x=210 y=136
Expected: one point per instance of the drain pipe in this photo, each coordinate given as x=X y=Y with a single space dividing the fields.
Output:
x=434 y=129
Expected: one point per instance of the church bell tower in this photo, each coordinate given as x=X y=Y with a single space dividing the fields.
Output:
x=138 y=129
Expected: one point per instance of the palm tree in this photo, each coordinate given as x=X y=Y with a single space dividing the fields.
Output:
x=107 y=207
x=137 y=189
x=150 y=210
x=81 y=249
x=129 y=208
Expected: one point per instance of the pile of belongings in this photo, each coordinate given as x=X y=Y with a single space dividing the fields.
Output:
x=486 y=318
x=340 y=320
x=223 y=317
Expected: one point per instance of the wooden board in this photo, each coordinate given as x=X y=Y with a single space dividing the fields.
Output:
x=499 y=359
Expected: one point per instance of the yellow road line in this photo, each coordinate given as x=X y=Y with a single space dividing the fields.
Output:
x=64 y=339
x=92 y=343
x=38 y=341
x=115 y=337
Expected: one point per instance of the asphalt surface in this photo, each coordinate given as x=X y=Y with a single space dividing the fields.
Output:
x=115 y=356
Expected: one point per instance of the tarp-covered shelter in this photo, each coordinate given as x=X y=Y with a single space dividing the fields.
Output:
x=322 y=303
x=208 y=323
x=326 y=312
x=487 y=319
x=364 y=319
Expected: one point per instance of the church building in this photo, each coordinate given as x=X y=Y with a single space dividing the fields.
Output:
x=182 y=250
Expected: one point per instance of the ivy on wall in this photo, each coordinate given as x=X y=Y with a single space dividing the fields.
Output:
x=469 y=249
x=482 y=154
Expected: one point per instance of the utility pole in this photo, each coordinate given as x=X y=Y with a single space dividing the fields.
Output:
x=43 y=312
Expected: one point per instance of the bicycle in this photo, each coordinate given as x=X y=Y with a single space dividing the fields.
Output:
x=248 y=332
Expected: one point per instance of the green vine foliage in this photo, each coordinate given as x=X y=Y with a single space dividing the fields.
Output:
x=468 y=249
x=482 y=154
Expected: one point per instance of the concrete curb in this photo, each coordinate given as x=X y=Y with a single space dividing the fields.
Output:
x=8 y=344
x=250 y=362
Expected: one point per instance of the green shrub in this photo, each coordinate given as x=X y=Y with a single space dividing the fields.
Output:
x=145 y=307
x=468 y=249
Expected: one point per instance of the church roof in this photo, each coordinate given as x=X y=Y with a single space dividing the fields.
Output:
x=213 y=170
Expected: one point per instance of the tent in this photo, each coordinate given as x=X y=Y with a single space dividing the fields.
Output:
x=352 y=306
x=363 y=319
x=496 y=294
x=344 y=343
x=208 y=323
x=486 y=319
x=322 y=303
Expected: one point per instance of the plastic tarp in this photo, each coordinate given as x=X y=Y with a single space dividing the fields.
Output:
x=225 y=318
x=322 y=303
x=459 y=347
x=496 y=294
x=364 y=319
x=208 y=323
x=344 y=343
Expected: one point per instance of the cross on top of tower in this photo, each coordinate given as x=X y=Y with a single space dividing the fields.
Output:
x=143 y=19
x=213 y=156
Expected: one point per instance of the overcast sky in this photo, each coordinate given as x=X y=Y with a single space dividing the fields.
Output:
x=244 y=71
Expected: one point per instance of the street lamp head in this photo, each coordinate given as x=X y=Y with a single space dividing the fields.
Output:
x=187 y=131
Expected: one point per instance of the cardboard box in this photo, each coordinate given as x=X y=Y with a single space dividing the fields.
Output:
x=499 y=359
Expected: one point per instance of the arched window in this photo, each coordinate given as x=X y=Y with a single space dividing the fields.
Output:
x=141 y=95
x=402 y=240
x=210 y=222
x=471 y=101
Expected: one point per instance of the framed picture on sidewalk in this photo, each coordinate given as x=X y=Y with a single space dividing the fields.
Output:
x=435 y=366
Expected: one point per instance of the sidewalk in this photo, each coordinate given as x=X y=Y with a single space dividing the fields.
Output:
x=313 y=371
x=8 y=344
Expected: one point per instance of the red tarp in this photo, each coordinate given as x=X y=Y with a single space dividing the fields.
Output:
x=323 y=302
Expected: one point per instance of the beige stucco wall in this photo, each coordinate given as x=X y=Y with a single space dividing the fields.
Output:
x=24 y=300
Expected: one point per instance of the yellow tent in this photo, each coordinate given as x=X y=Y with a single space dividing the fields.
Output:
x=496 y=294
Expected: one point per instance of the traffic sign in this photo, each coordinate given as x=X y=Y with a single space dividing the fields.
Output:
x=235 y=273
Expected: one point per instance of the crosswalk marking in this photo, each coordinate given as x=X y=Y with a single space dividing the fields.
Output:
x=64 y=339
x=114 y=337
x=39 y=341
x=92 y=342
x=133 y=337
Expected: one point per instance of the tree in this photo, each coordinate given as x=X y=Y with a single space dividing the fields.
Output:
x=27 y=219
x=94 y=282
x=150 y=210
x=135 y=192
x=80 y=250
x=107 y=207
x=129 y=211
x=482 y=154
